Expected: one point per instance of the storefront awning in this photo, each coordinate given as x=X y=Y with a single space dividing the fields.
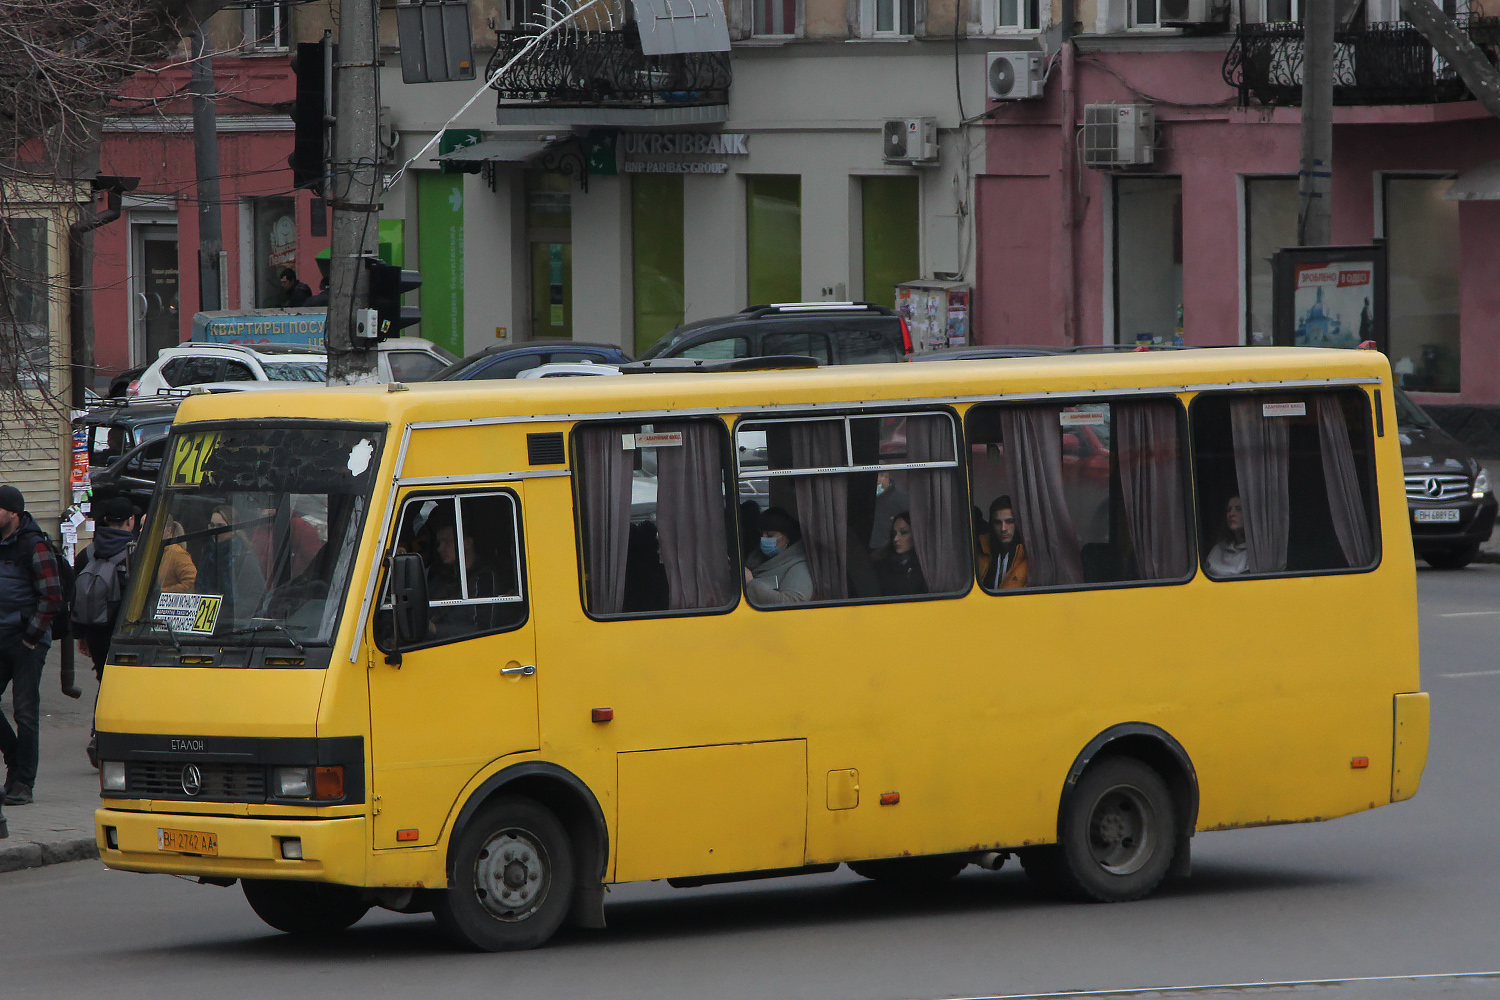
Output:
x=1481 y=183
x=498 y=150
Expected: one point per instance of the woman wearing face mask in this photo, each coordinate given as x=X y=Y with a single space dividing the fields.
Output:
x=896 y=564
x=1229 y=557
x=778 y=573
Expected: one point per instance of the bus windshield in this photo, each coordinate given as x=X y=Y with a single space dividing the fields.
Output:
x=253 y=538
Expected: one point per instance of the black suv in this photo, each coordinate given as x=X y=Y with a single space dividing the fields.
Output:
x=502 y=361
x=1449 y=496
x=835 y=333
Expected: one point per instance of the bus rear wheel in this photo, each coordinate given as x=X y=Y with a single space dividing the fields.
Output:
x=512 y=879
x=911 y=872
x=307 y=909
x=1118 y=834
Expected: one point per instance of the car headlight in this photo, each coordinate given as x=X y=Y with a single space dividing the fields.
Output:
x=112 y=775
x=291 y=782
x=1481 y=484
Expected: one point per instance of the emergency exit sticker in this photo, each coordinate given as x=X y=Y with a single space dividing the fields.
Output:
x=189 y=612
x=1283 y=409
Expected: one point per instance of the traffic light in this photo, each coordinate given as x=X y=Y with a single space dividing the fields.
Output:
x=387 y=284
x=313 y=65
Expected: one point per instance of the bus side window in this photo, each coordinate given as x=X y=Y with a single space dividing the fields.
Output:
x=1080 y=494
x=655 y=508
x=1284 y=483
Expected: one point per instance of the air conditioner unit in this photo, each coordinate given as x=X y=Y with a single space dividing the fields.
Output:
x=1013 y=76
x=1119 y=135
x=1193 y=13
x=910 y=140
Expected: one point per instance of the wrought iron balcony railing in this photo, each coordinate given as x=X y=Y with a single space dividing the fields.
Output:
x=608 y=69
x=1373 y=64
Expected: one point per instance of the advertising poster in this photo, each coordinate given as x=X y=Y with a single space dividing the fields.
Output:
x=1329 y=296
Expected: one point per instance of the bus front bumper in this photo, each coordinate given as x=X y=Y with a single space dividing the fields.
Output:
x=332 y=850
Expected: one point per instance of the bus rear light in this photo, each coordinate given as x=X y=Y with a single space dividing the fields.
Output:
x=905 y=337
x=328 y=782
x=1359 y=762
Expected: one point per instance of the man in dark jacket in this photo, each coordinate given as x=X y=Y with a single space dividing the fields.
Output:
x=116 y=533
x=297 y=292
x=30 y=597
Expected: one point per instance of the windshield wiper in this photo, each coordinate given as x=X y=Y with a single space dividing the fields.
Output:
x=159 y=623
x=267 y=626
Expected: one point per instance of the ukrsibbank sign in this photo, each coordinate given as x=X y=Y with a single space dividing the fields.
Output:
x=649 y=152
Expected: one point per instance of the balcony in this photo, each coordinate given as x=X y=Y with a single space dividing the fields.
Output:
x=1373 y=64
x=603 y=78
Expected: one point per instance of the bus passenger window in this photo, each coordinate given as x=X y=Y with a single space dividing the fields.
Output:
x=656 y=510
x=1284 y=482
x=1077 y=494
x=470 y=547
x=853 y=508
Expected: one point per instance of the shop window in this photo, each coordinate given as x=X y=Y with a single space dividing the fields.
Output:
x=268 y=26
x=774 y=17
x=1073 y=495
x=274 y=231
x=469 y=546
x=549 y=233
x=24 y=301
x=1284 y=483
x=1148 y=259
x=1421 y=231
x=852 y=508
x=773 y=238
x=656 y=230
x=891 y=235
x=655 y=510
x=1270 y=224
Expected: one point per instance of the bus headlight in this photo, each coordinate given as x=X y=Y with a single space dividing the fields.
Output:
x=291 y=782
x=1481 y=484
x=112 y=775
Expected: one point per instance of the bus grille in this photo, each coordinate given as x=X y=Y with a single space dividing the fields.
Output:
x=217 y=782
x=1444 y=487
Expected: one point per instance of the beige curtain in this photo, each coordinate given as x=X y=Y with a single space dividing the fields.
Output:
x=604 y=480
x=939 y=506
x=1261 y=450
x=1033 y=447
x=1346 y=500
x=690 y=517
x=823 y=506
x=1150 y=459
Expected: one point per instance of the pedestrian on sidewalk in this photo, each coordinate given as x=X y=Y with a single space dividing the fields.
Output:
x=113 y=543
x=30 y=597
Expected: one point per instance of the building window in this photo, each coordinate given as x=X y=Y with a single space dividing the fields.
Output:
x=773 y=238
x=1421 y=232
x=1010 y=15
x=891 y=241
x=1148 y=259
x=25 y=320
x=1145 y=14
x=1281 y=10
x=886 y=18
x=549 y=236
x=275 y=247
x=268 y=26
x=774 y=17
x=656 y=237
x=1270 y=224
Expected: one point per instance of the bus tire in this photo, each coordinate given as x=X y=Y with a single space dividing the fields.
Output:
x=911 y=872
x=512 y=878
x=1119 y=832
x=307 y=909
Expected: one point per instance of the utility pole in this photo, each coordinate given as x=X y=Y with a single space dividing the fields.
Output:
x=354 y=193
x=211 y=284
x=1314 y=194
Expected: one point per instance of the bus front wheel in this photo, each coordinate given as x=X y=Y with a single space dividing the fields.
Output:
x=308 y=909
x=512 y=878
x=1118 y=832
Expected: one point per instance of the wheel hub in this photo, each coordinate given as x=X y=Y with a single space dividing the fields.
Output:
x=1120 y=830
x=511 y=875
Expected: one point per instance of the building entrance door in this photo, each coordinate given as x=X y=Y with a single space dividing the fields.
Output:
x=154 y=286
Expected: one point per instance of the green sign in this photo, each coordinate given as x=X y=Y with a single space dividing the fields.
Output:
x=440 y=252
x=599 y=150
x=454 y=139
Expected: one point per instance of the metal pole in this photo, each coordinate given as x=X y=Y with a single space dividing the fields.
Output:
x=206 y=159
x=1314 y=197
x=354 y=194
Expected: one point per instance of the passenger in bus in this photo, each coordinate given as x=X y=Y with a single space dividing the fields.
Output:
x=1006 y=568
x=1229 y=556
x=890 y=499
x=443 y=585
x=178 y=573
x=778 y=573
x=896 y=564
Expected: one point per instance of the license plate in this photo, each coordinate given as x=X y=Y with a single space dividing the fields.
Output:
x=188 y=842
x=1434 y=516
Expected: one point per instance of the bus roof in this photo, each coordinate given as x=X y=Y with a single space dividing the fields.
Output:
x=871 y=384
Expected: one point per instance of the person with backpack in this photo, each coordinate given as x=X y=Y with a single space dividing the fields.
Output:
x=31 y=595
x=99 y=577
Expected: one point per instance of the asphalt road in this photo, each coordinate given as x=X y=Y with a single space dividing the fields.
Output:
x=1411 y=890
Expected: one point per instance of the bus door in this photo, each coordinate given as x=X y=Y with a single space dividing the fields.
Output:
x=466 y=695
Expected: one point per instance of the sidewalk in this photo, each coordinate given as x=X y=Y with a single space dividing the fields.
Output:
x=59 y=824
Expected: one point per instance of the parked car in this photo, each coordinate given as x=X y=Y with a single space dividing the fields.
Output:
x=568 y=369
x=133 y=476
x=508 y=361
x=835 y=333
x=401 y=359
x=1448 y=494
x=119 y=425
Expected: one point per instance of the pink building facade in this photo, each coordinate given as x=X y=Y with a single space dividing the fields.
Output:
x=1068 y=254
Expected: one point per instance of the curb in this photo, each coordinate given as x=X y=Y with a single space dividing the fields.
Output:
x=15 y=857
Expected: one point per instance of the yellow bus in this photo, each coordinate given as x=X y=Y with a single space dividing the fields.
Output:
x=484 y=648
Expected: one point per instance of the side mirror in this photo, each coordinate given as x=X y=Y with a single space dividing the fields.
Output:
x=409 y=598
